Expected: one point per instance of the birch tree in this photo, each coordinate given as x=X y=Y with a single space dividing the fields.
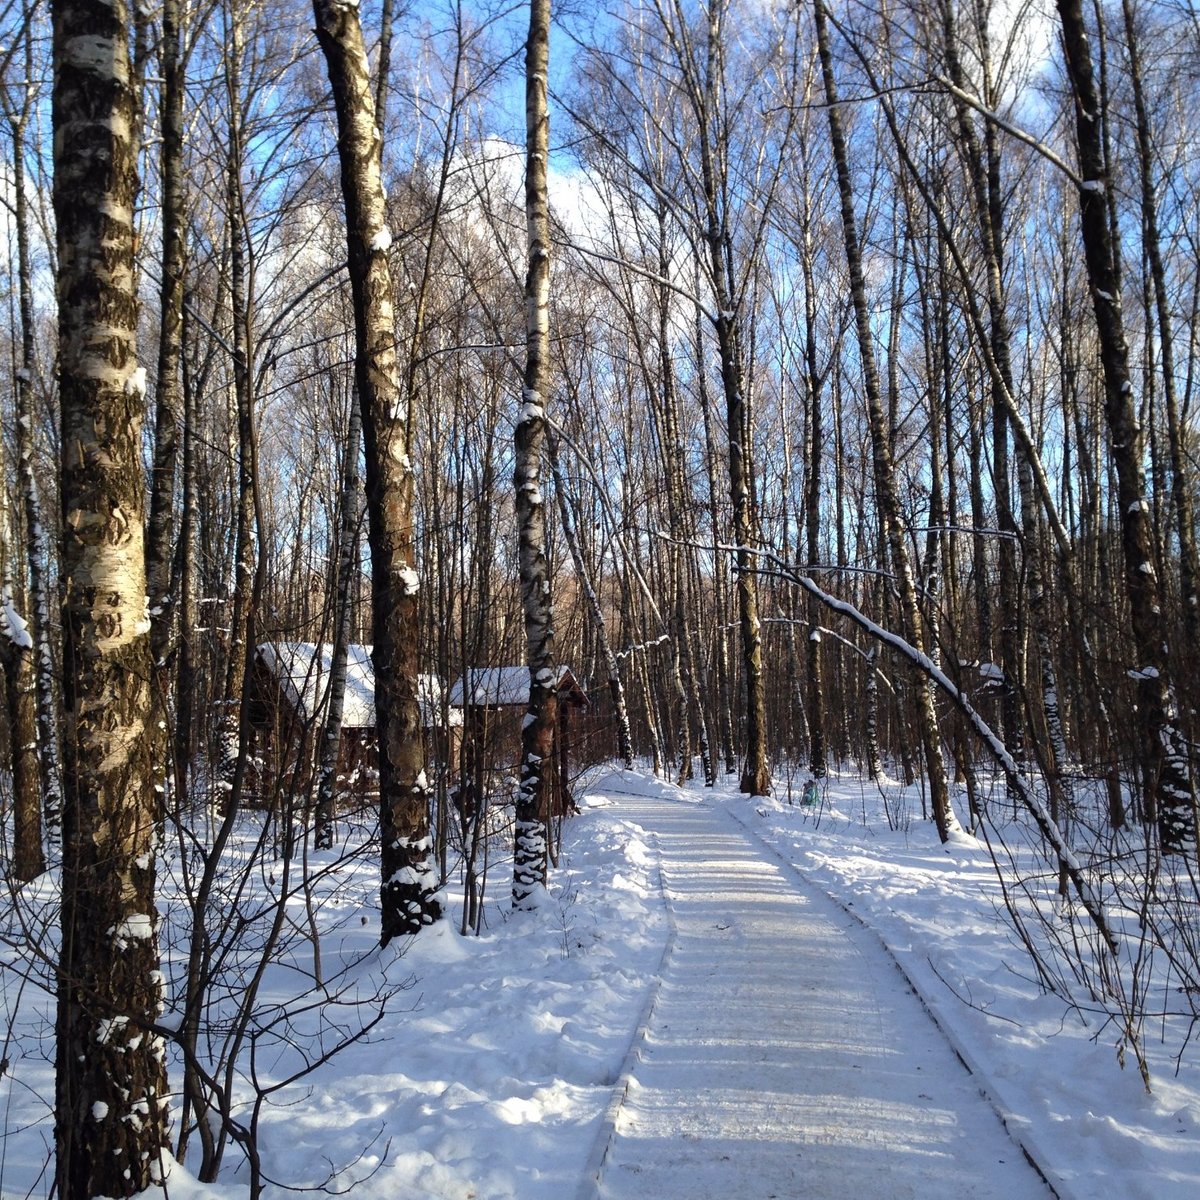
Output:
x=537 y=732
x=19 y=100
x=886 y=498
x=408 y=897
x=1168 y=791
x=27 y=860
x=110 y=1127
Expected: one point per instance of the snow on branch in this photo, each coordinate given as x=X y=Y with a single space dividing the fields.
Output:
x=13 y=625
x=1014 y=131
x=995 y=747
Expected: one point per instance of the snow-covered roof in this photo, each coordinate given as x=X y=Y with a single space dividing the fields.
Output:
x=303 y=668
x=497 y=687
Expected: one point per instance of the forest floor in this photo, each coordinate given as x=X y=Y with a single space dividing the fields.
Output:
x=717 y=996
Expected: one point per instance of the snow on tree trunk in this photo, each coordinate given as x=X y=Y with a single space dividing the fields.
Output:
x=242 y=617
x=537 y=732
x=883 y=466
x=110 y=1123
x=16 y=648
x=408 y=895
x=1165 y=773
x=38 y=550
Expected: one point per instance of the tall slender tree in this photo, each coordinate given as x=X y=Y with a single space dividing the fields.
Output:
x=537 y=732
x=110 y=1128
x=1167 y=787
x=408 y=896
x=886 y=496
x=160 y=540
x=19 y=98
x=16 y=646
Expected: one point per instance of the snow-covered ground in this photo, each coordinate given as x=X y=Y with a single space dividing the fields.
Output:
x=1052 y=1071
x=492 y=1070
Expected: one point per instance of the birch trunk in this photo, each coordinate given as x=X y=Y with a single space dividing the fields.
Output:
x=1185 y=525
x=537 y=733
x=28 y=860
x=110 y=1123
x=720 y=574
x=1165 y=773
x=408 y=896
x=883 y=467
x=43 y=669
x=812 y=499
x=185 y=675
x=241 y=618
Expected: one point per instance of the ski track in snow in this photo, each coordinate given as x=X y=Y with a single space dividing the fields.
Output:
x=785 y=1054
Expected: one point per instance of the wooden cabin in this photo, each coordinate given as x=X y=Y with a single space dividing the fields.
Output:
x=493 y=701
x=289 y=700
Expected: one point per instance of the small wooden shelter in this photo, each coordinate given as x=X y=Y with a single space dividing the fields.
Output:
x=494 y=701
x=289 y=702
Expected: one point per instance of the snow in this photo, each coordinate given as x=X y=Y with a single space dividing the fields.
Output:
x=410 y=581
x=715 y=996
x=137 y=927
x=14 y=625
x=497 y=687
x=531 y=406
x=303 y=670
x=135 y=385
x=382 y=240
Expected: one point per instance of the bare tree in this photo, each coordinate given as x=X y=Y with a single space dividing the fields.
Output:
x=1167 y=788
x=168 y=414
x=27 y=859
x=409 y=890
x=537 y=732
x=884 y=469
x=110 y=1092
x=19 y=99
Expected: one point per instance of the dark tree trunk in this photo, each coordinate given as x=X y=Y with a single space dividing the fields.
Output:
x=344 y=577
x=28 y=860
x=1166 y=778
x=167 y=398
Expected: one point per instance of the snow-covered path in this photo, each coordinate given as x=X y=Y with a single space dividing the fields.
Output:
x=785 y=1055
